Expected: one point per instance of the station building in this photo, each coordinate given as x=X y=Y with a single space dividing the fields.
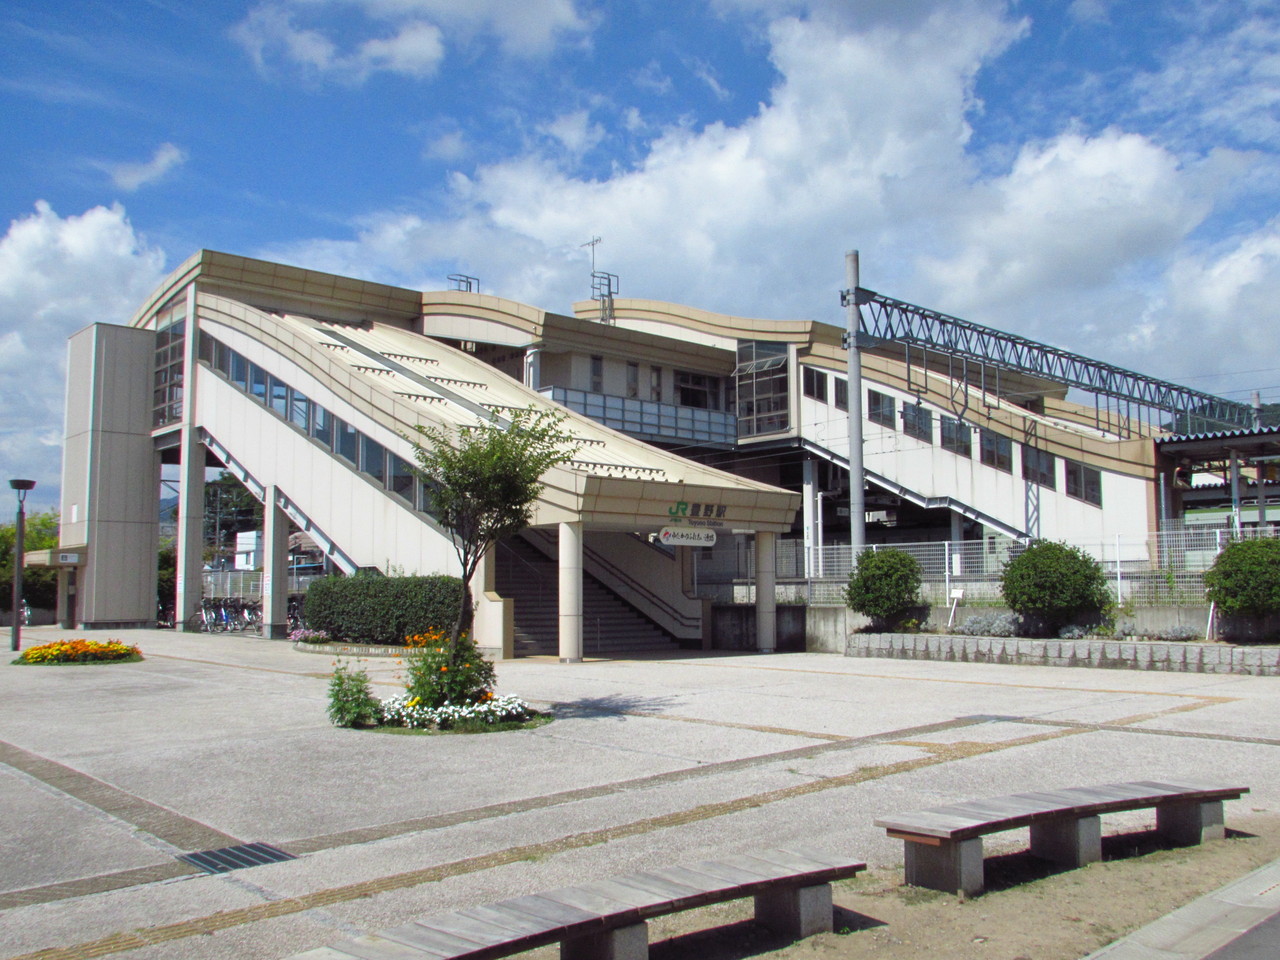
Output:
x=702 y=437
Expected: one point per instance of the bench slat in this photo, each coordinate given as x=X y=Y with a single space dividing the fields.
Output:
x=516 y=922
x=377 y=947
x=430 y=942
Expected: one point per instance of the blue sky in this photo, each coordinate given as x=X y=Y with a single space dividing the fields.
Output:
x=1100 y=175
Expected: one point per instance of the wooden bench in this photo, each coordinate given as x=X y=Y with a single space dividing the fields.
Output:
x=606 y=919
x=943 y=848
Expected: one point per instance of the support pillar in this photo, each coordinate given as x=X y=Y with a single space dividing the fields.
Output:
x=766 y=592
x=1189 y=822
x=1072 y=843
x=796 y=912
x=811 y=512
x=957 y=537
x=952 y=866
x=190 y=546
x=275 y=568
x=571 y=592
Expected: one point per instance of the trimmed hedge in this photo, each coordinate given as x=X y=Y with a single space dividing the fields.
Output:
x=1245 y=578
x=381 y=610
x=884 y=585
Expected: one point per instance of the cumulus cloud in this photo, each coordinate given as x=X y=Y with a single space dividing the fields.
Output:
x=574 y=131
x=58 y=275
x=1091 y=240
x=131 y=176
x=408 y=36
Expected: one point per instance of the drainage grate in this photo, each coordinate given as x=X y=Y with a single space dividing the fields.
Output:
x=237 y=857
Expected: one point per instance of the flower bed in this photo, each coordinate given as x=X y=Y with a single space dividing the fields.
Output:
x=80 y=651
x=410 y=712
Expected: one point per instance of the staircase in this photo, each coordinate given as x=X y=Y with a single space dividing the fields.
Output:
x=610 y=626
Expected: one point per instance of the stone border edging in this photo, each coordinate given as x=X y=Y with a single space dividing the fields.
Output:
x=1107 y=654
x=349 y=649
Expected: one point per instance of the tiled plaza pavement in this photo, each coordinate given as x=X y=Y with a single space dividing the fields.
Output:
x=109 y=772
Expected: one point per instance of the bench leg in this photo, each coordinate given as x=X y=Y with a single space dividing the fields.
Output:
x=1190 y=822
x=624 y=943
x=796 y=912
x=1073 y=842
x=953 y=866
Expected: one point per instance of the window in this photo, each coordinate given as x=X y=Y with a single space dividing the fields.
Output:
x=344 y=439
x=997 y=451
x=239 y=370
x=170 y=344
x=1038 y=467
x=633 y=379
x=917 y=422
x=697 y=390
x=1083 y=483
x=400 y=478
x=279 y=396
x=373 y=458
x=299 y=410
x=880 y=409
x=814 y=384
x=842 y=393
x=655 y=384
x=257 y=383
x=955 y=436
x=322 y=425
x=597 y=374
x=762 y=388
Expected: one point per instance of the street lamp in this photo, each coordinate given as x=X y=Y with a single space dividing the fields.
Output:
x=23 y=487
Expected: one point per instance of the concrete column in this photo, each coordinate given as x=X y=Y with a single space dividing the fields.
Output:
x=571 y=592
x=533 y=368
x=190 y=547
x=811 y=513
x=766 y=592
x=1188 y=822
x=275 y=568
x=796 y=912
x=953 y=866
x=1070 y=842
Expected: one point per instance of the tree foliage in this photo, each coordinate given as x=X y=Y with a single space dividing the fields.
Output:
x=1245 y=578
x=39 y=584
x=482 y=481
x=884 y=584
x=1054 y=583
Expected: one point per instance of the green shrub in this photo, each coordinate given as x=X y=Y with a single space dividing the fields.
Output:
x=884 y=584
x=351 y=702
x=1053 y=584
x=381 y=610
x=435 y=678
x=1245 y=578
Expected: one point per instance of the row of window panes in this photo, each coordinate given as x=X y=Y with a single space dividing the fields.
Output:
x=815 y=387
x=390 y=470
x=171 y=324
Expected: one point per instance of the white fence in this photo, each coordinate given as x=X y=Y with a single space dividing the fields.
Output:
x=246 y=584
x=1165 y=568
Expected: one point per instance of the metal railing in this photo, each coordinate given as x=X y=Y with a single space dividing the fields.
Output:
x=1163 y=568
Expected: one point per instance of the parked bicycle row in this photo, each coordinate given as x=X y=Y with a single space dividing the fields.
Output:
x=229 y=615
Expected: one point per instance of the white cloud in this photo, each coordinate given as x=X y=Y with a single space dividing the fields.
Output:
x=58 y=275
x=574 y=131
x=704 y=72
x=131 y=176
x=409 y=35
x=1091 y=241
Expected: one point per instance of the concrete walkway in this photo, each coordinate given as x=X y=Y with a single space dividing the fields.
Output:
x=109 y=772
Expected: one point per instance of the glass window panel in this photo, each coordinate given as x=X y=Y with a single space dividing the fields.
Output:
x=917 y=422
x=322 y=425
x=373 y=458
x=299 y=410
x=257 y=382
x=279 y=396
x=401 y=477
x=239 y=370
x=955 y=436
x=345 y=438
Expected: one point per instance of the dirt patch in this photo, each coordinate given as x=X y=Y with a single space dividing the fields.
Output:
x=1029 y=912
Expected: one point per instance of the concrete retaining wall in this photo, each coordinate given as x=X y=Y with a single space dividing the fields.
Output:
x=1110 y=654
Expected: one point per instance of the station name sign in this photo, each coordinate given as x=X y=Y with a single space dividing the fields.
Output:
x=687 y=537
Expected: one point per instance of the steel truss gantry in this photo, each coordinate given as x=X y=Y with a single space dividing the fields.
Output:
x=1186 y=410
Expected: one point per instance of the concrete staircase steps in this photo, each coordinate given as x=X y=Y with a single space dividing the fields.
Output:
x=610 y=626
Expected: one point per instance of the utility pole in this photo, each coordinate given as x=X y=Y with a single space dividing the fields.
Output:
x=857 y=495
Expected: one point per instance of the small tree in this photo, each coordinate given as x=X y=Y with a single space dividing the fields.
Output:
x=1054 y=583
x=1245 y=578
x=883 y=584
x=481 y=483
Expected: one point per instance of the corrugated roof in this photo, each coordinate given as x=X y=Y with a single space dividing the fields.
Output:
x=1220 y=434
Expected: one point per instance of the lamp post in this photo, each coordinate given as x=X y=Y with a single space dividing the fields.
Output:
x=23 y=487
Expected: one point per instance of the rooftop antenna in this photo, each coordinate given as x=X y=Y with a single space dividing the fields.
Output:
x=604 y=286
x=464 y=284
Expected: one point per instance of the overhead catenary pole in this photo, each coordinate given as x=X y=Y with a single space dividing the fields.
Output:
x=857 y=497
